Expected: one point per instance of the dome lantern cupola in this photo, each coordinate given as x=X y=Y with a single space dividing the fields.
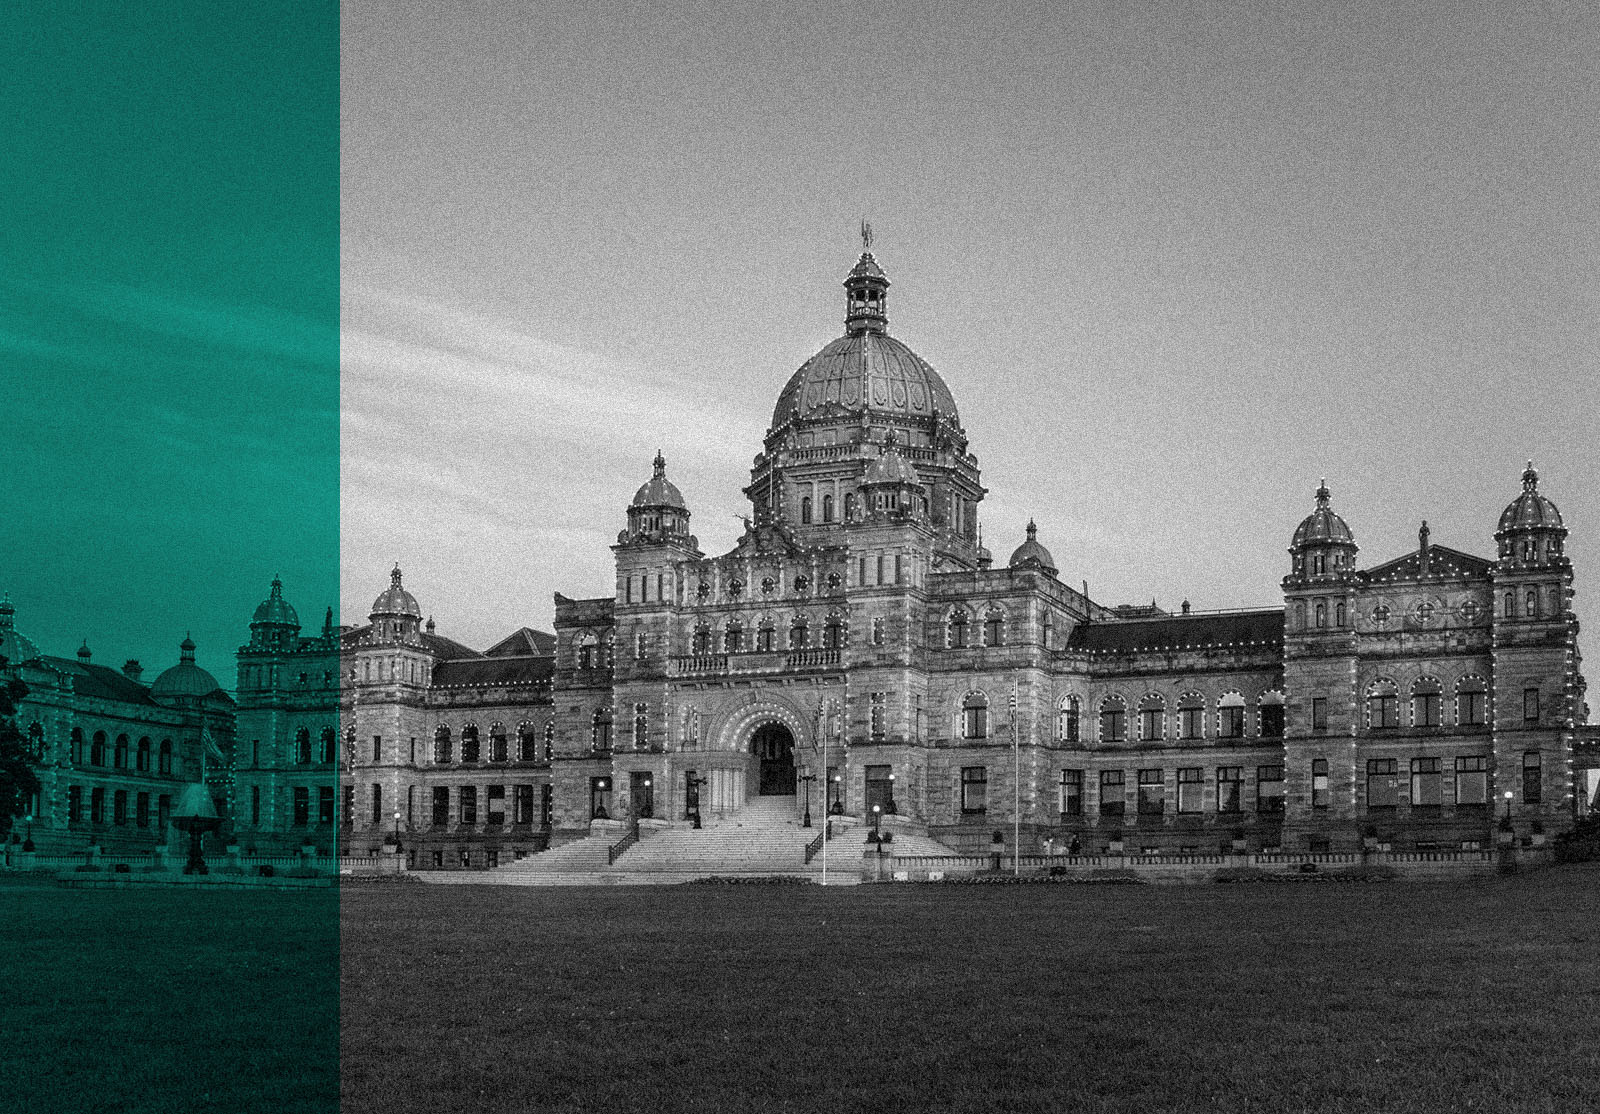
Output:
x=866 y=298
x=1323 y=546
x=15 y=646
x=658 y=512
x=395 y=615
x=1031 y=555
x=275 y=623
x=185 y=682
x=1531 y=531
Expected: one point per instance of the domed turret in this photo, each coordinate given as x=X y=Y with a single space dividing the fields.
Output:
x=891 y=486
x=658 y=512
x=1031 y=555
x=15 y=646
x=275 y=623
x=1323 y=545
x=1530 y=531
x=186 y=680
x=395 y=615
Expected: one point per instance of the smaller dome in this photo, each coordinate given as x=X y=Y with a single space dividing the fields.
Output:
x=396 y=600
x=15 y=646
x=891 y=467
x=275 y=609
x=1031 y=555
x=658 y=491
x=1530 y=510
x=1322 y=526
x=186 y=680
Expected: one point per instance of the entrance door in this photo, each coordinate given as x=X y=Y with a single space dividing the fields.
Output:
x=774 y=746
x=641 y=791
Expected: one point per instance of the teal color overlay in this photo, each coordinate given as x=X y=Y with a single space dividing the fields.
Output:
x=169 y=383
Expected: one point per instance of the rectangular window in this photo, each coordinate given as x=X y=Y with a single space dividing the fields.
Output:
x=1113 y=729
x=1532 y=781
x=1385 y=711
x=255 y=806
x=974 y=790
x=880 y=788
x=1471 y=709
x=377 y=748
x=1230 y=788
x=1425 y=709
x=1381 y=790
x=1319 y=713
x=1150 y=724
x=1427 y=783
x=302 y=806
x=1272 y=721
x=1152 y=793
x=1530 y=705
x=522 y=809
x=1112 y=800
x=1230 y=722
x=1319 y=783
x=377 y=806
x=142 y=810
x=1269 y=789
x=75 y=804
x=441 y=806
x=1472 y=781
x=1191 y=789
x=469 y=804
x=163 y=811
x=497 y=804
x=1071 y=792
x=878 y=700
x=1191 y=721
x=119 y=807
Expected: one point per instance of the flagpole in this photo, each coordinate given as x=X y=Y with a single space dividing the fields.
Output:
x=1016 y=789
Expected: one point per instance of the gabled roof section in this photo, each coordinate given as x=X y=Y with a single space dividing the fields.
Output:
x=447 y=649
x=523 y=642
x=101 y=682
x=1240 y=629
x=526 y=669
x=1442 y=562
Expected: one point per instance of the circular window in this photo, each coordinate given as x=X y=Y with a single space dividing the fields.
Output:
x=833 y=582
x=1469 y=611
x=735 y=587
x=1380 y=615
x=801 y=583
x=704 y=590
x=768 y=584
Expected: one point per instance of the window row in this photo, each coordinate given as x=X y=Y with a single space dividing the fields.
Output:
x=964 y=630
x=763 y=638
x=1425 y=704
x=119 y=800
x=532 y=744
x=1153 y=793
x=121 y=755
x=1194 y=719
x=1426 y=782
x=493 y=805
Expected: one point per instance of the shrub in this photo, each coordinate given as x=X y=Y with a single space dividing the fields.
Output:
x=1241 y=874
x=266 y=870
x=1582 y=843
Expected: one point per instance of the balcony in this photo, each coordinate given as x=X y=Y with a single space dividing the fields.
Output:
x=755 y=661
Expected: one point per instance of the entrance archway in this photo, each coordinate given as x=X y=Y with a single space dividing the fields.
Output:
x=773 y=745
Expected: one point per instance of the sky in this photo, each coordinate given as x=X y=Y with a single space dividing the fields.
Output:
x=168 y=324
x=1177 y=262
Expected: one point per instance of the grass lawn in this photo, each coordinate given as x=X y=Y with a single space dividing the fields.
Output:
x=168 y=1001
x=1389 y=997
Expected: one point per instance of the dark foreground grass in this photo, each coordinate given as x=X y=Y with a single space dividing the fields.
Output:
x=1391 y=997
x=168 y=1001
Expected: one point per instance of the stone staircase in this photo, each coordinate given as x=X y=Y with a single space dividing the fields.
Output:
x=763 y=838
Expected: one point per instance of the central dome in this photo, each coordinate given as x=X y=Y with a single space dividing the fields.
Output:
x=870 y=373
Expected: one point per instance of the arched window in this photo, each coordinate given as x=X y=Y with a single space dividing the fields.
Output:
x=1511 y=605
x=1299 y=615
x=97 y=749
x=1068 y=718
x=849 y=506
x=1338 y=614
x=805 y=510
x=641 y=727
x=833 y=631
x=702 y=640
x=1383 y=713
x=497 y=743
x=1191 y=716
x=1426 y=703
x=958 y=629
x=1533 y=603
x=1230 y=716
x=302 y=746
x=1113 y=720
x=1271 y=705
x=549 y=741
x=1321 y=614
x=586 y=651
x=469 y=743
x=1471 y=701
x=329 y=739
x=443 y=747
x=164 y=757
x=600 y=731
x=975 y=716
x=122 y=752
x=77 y=746
x=733 y=638
x=527 y=744
x=1152 y=718
x=827 y=508
x=799 y=633
x=994 y=627
x=142 y=759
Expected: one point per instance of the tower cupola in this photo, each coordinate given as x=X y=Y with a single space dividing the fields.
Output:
x=395 y=615
x=1531 y=532
x=658 y=512
x=1323 y=548
x=866 y=290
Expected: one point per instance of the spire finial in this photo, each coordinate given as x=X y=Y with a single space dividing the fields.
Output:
x=866 y=235
x=1322 y=492
x=1033 y=531
x=1530 y=478
x=394 y=577
x=660 y=464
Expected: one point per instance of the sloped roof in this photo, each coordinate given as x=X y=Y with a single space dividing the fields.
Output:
x=100 y=682
x=524 y=641
x=1180 y=632
x=504 y=670
x=1442 y=561
x=447 y=649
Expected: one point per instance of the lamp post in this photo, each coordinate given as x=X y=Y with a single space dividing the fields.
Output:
x=837 y=808
x=876 y=810
x=397 y=831
x=808 y=777
x=27 y=844
x=647 y=811
x=889 y=806
x=1508 y=810
x=692 y=797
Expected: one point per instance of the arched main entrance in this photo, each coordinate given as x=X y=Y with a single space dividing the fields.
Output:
x=773 y=744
